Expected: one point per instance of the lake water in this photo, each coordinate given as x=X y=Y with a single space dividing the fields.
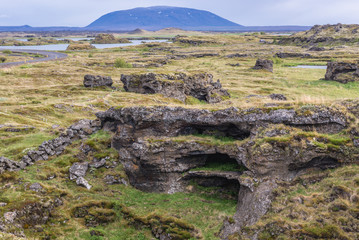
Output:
x=310 y=67
x=76 y=39
x=63 y=47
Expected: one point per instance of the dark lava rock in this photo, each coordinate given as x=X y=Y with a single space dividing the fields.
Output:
x=97 y=163
x=237 y=55
x=97 y=81
x=278 y=97
x=316 y=49
x=167 y=165
x=110 y=179
x=264 y=64
x=54 y=147
x=9 y=165
x=342 y=72
x=292 y=55
x=178 y=86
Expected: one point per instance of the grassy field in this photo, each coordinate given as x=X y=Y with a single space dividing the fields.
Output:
x=40 y=100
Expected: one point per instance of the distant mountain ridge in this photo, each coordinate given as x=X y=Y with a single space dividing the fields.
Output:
x=155 y=18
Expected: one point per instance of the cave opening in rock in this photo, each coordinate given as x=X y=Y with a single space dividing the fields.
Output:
x=222 y=162
x=218 y=131
x=217 y=186
x=215 y=174
x=148 y=90
x=322 y=162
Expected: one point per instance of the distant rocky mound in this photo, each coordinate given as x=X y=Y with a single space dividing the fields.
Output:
x=97 y=81
x=155 y=18
x=80 y=46
x=342 y=72
x=178 y=86
x=264 y=64
x=139 y=31
x=338 y=34
x=104 y=38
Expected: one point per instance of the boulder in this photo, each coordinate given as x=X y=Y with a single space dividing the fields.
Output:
x=178 y=86
x=78 y=169
x=342 y=72
x=264 y=64
x=97 y=81
x=35 y=187
x=83 y=182
x=97 y=163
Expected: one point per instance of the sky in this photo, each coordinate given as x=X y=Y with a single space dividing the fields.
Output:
x=80 y=13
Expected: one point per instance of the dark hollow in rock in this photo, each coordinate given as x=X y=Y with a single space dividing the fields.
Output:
x=264 y=64
x=97 y=81
x=225 y=130
x=322 y=162
x=178 y=86
x=342 y=72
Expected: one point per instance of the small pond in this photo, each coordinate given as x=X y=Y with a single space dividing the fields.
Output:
x=310 y=67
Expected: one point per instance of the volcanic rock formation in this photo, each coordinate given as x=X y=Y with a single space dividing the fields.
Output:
x=97 y=81
x=264 y=64
x=178 y=86
x=161 y=149
x=342 y=72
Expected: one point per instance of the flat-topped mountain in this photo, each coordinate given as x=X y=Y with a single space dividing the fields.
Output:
x=155 y=18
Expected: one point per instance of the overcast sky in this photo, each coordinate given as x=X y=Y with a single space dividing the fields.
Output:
x=79 y=13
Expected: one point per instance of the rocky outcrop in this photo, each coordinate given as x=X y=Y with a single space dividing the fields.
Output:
x=97 y=81
x=80 y=47
x=342 y=72
x=9 y=165
x=178 y=86
x=163 y=149
x=238 y=55
x=104 y=38
x=191 y=41
x=264 y=64
x=337 y=34
x=316 y=49
x=54 y=147
x=30 y=215
x=278 y=97
x=292 y=55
